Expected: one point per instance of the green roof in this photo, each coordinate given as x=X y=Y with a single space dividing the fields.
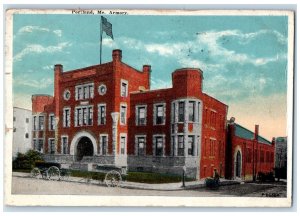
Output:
x=242 y=132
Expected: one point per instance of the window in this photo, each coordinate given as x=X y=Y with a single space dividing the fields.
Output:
x=66 y=117
x=34 y=123
x=14 y=118
x=141 y=115
x=51 y=122
x=67 y=94
x=101 y=114
x=123 y=145
x=159 y=146
x=159 y=114
x=180 y=149
x=262 y=156
x=249 y=155
x=213 y=118
x=141 y=145
x=15 y=129
x=26 y=135
x=52 y=146
x=199 y=106
x=123 y=115
x=103 y=144
x=27 y=120
x=173 y=113
x=40 y=145
x=124 y=88
x=192 y=111
x=181 y=112
x=64 y=145
x=84 y=116
x=212 y=147
x=41 y=122
x=191 y=143
x=85 y=91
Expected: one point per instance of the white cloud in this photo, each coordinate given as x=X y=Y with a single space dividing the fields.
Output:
x=39 y=84
x=58 y=32
x=37 y=48
x=47 y=67
x=30 y=29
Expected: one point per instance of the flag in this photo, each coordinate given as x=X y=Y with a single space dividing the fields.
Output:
x=106 y=27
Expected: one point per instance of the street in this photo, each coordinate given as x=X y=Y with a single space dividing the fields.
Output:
x=26 y=185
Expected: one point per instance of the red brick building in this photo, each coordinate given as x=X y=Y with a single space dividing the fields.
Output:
x=247 y=153
x=107 y=114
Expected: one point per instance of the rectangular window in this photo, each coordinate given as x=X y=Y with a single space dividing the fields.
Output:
x=27 y=120
x=35 y=144
x=123 y=115
x=41 y=122
x=160 y=114
x=123 y=145
x=85 y=91
x=180 y=149
x=66 y=117
x=191 y=143
x=192 y=111
x=51 y=146
x=103 y=143
x=40 y=146
x=262 y=156
x=181 y=112
x=141 y=145
x=173 y=113
x=26 y=135
x=101 y=114
x=64 y=143
x=158 y=146
x=212 y=147
x=14 y=118
x=84 y=116
x=124 y=89
x=141 y=115
x=34 y=123
x=51 y=122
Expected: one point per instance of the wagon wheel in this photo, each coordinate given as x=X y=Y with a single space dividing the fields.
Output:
x=112 y=178
x=35 y=173
x=53 y=173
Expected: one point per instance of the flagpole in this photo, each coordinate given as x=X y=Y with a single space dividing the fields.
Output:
x=101 y=32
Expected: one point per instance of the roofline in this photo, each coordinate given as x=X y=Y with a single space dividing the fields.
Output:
x=215 y=99
x=254 y=133
x=149 y=91
x=42 y=95
x=22 y=108
x=88 y=67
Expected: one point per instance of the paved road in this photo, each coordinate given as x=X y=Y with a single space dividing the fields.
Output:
x=26 y=185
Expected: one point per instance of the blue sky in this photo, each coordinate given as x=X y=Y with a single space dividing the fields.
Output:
x=243 y=58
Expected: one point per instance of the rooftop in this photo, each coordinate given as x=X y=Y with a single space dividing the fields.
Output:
x=242 y=132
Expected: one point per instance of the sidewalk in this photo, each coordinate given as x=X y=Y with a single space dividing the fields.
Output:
x=143 y=186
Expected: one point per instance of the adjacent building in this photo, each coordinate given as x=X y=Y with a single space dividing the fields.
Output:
x=107 y=114
x=22 y=130
x=281 y=152
x=247 y=153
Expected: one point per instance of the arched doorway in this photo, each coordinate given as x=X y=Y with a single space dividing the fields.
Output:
x=84 y=148
x=238 y=165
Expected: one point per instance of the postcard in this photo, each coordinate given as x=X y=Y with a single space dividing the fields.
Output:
x=133 y=107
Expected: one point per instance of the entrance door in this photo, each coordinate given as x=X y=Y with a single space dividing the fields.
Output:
x=84 y=148
x=238 y=164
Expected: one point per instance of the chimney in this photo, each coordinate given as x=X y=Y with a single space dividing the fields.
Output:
x=147 y=68
x=58 y=68
x=117 y=55
x=273 y=141
x=256 y=132
x=147 y=71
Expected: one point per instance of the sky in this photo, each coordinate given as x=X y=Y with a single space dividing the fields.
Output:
x=243 y=58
